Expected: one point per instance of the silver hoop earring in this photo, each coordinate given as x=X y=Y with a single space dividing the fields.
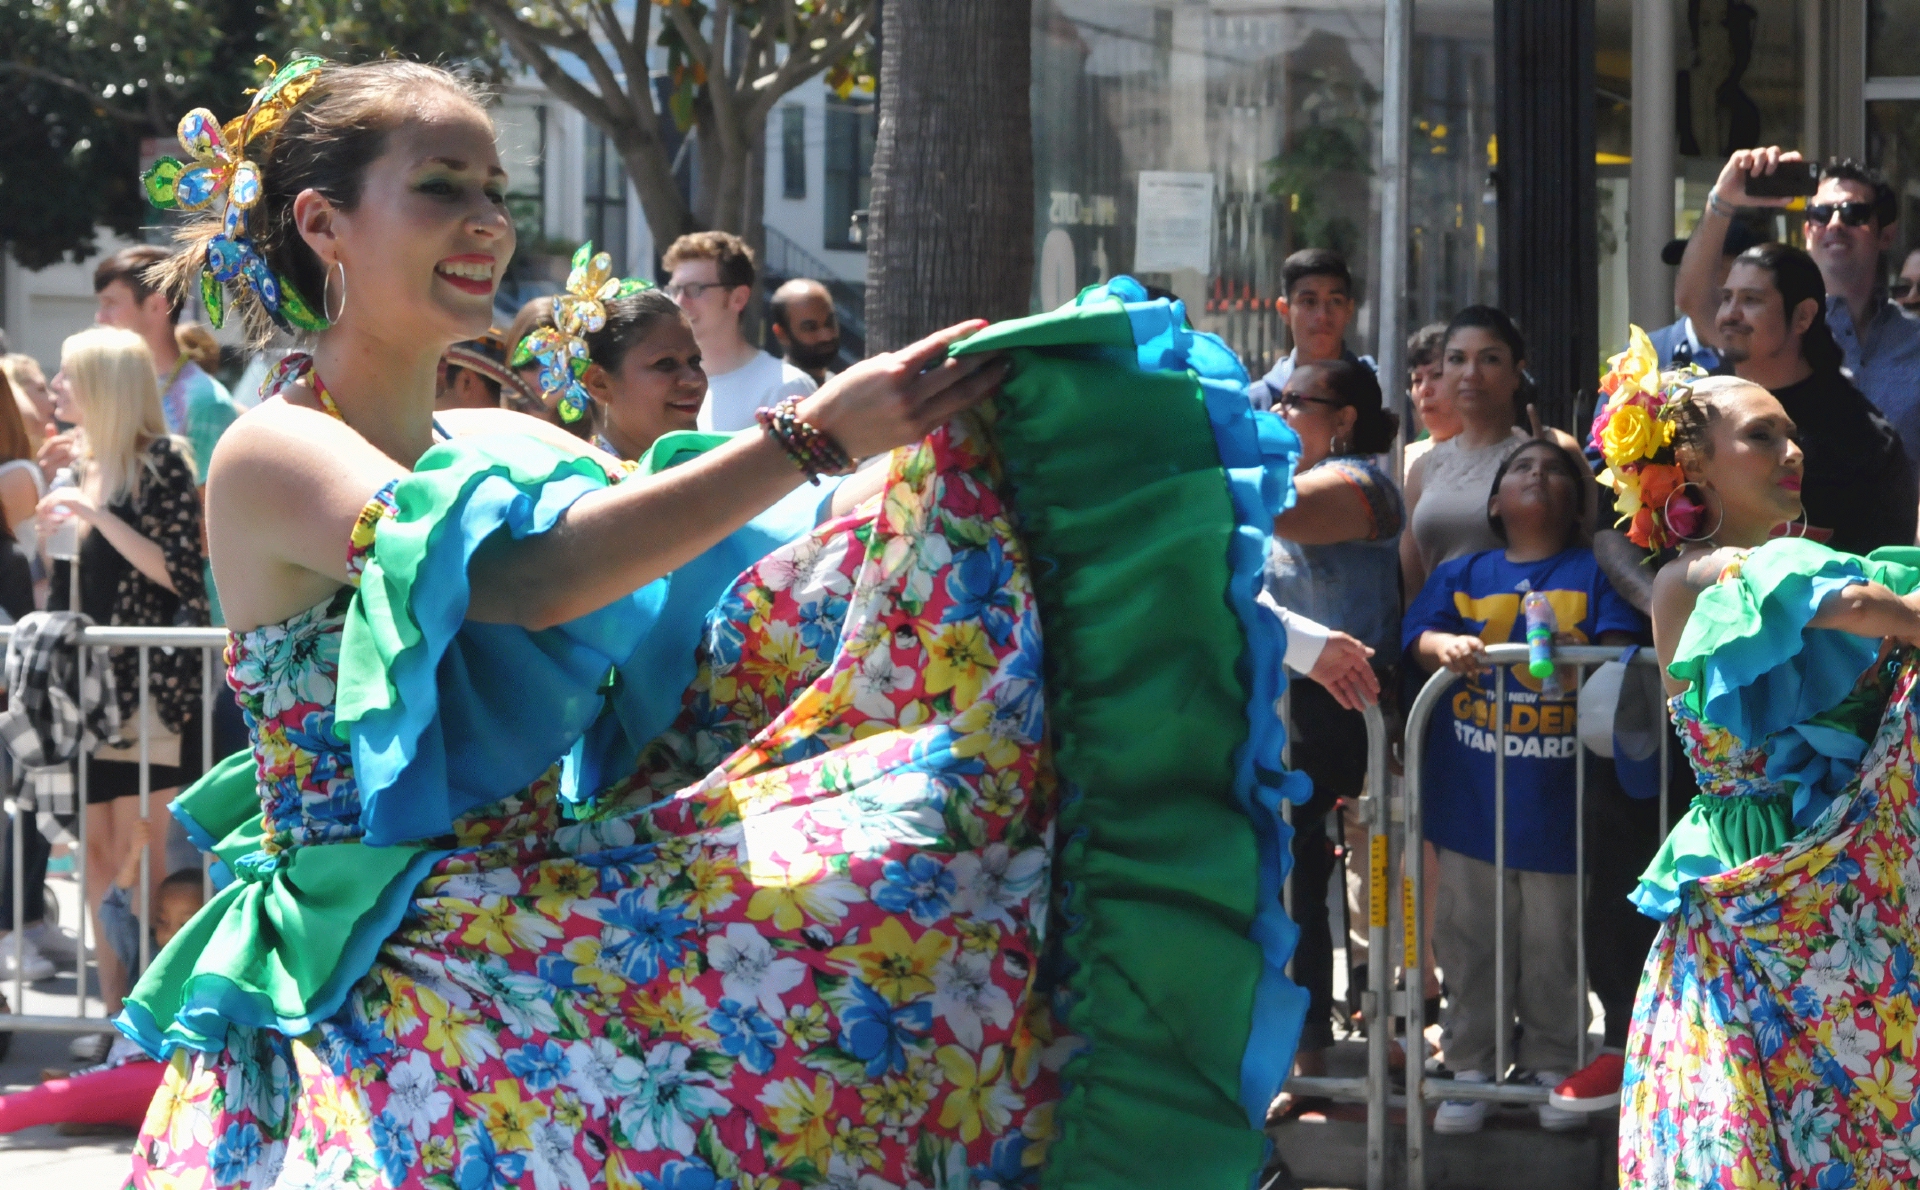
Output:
x=1797 y=527
x=326 y=293
x=1666 y=509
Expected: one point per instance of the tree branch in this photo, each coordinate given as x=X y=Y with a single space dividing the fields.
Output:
x=529 y=43
x=124 y=115
x=633 y=62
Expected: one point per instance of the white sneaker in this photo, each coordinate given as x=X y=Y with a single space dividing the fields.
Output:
x=55 y=943
x=1556 y=1119
x=32 y=962
x=1457 y=1117
x=91 y=1048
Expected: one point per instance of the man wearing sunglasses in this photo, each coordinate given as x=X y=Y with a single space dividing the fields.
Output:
x=1849 y=227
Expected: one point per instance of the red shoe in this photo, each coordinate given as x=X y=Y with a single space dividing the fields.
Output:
x=1595 y=1087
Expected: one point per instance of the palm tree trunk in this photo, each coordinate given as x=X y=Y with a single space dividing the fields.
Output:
x=951 y=226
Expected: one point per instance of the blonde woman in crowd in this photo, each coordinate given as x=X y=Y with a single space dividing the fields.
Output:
x=141 y=564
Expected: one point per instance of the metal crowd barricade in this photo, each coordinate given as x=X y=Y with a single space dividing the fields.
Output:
x=1373 y=810
x=208 y=641
x=1421 y=1091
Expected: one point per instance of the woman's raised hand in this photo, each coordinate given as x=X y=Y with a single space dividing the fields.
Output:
x=901 y=396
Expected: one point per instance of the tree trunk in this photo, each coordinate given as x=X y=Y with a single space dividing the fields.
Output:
x=950 y=234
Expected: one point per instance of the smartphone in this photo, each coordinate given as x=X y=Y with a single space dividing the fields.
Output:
x=1790 y=179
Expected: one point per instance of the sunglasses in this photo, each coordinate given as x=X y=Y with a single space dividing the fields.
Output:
x=1853 y=214
x=1288 y=402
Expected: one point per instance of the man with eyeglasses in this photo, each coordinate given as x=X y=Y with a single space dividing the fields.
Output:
x=712 y=277
x=1849 y=227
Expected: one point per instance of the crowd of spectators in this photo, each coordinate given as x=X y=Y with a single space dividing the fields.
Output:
x=1387 y=579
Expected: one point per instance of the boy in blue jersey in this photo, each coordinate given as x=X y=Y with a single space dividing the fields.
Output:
x=1537 y=506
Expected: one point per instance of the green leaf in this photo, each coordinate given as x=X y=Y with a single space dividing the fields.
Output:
x=715 y=1153
x=833 y=1060
x=631 y=286
x=582 y=255
x=522 y=353
x=214 y=297
x=158 y=182
x=295 y=310
x=713 y=1062
x=964 y=824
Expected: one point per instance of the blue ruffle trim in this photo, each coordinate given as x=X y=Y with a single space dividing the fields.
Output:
x=482 y=710
x=1784 y=673
x=1815 y=762
x=1658 y=901
x=202 y=839
x=1259 y=453
x=202 y=1022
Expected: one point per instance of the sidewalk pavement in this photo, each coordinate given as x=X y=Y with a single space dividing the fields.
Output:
x=40 y=1157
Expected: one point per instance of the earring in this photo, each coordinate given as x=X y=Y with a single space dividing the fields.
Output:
x=1797 y=527
x=1666 y=514
x=326 y=293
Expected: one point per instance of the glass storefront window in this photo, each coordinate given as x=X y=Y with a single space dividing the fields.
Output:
x=1893 y=145
x=1893 y=39
x=1257 y=132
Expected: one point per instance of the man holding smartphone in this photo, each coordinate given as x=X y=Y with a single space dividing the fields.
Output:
x=1849 y=226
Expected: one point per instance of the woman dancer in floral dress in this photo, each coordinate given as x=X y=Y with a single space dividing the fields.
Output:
x=1773 y=1037
x=623 y=826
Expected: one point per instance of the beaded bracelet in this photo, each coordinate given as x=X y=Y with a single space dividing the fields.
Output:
x=811 y=450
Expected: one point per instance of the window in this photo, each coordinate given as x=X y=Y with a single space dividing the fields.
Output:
x=793 y=151
x=849 y=181
x=523 y=152
x=606 y=199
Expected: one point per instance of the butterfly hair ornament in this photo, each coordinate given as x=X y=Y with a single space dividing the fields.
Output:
x=578 y=311
x=219 y=170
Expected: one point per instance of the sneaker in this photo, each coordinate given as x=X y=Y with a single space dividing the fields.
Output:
x=90 y=1048
x=1556 y=1119
x=55 y=943
x=1594 y=1087
x=1457 y=1117
x=35 y=965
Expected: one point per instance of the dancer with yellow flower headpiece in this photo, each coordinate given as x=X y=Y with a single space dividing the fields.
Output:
x=1772 y=1042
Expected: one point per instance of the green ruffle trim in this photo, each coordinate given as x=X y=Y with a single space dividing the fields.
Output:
x=279 y=946
x=1158 y=862
x=1715 y=835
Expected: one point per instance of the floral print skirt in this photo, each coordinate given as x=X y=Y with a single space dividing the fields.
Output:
x=1773 y=1037
x=800 y=946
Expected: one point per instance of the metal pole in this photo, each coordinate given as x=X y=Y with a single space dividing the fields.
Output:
x=1650 y=180
x=1396 y=115
x=84 y=931
x=1579 y=881
x=1379 y=977
x=19 y=934
x=146 y=827
x=1500 y=1026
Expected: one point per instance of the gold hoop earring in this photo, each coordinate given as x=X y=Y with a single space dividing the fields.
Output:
x=326 y=293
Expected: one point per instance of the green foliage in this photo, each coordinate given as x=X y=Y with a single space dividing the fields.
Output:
x=85 y=82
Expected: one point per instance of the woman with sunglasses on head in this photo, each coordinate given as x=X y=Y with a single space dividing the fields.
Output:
x=1334 y=560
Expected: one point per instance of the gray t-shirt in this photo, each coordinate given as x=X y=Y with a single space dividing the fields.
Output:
x=761 y=382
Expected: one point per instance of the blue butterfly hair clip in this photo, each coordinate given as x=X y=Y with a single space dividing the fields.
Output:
x=218 y=170
x=578 y=311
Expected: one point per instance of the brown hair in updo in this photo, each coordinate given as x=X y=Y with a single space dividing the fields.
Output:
x=1693 y=417
x=335 y=131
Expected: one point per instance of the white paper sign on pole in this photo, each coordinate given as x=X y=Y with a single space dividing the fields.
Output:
x=1173 y=228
